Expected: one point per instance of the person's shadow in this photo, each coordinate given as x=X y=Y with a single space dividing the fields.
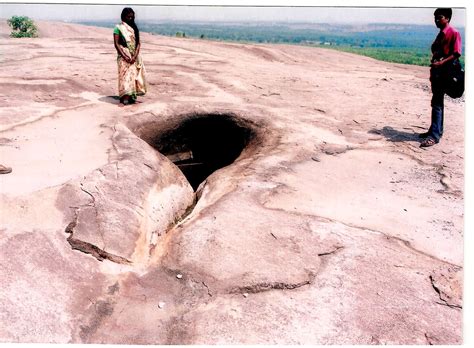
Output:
x=111 y=99
x=395 y=135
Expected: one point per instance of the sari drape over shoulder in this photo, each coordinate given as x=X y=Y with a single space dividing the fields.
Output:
x=131 y=77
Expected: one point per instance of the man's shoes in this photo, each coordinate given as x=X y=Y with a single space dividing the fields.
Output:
x=5 y=170
x=428 y=142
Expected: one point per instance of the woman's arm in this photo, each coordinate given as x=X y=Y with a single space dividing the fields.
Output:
x=121 y=51
x=137 y=51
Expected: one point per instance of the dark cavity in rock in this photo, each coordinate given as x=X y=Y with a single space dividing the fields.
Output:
x=201 y=144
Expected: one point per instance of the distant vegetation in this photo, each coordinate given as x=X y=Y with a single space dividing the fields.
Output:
x=398 y=43
x=414 y=56
x=22 y=27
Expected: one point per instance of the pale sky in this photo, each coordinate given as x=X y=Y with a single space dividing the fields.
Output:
x=254 y=11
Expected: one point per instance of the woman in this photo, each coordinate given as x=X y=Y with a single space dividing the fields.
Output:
x=446 y=50
x=131 y=71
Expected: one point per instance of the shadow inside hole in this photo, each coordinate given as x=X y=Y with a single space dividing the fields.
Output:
x=204 y=143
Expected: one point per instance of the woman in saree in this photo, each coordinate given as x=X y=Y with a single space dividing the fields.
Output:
x=131 y=71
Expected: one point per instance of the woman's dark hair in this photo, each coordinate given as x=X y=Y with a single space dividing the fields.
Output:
x=131 y=23
x=445 y=12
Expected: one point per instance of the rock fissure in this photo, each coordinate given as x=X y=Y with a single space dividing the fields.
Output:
x=115 y=149
x=203 y=284
x=154 y=243
x=267 y=286
x=408 y=245
x=442 y=296
x=445 y=180
x=90 y=195
x=334 y=150
x=180 y=219
x=40 y=118
x=116 y=170
x=332 y=251
x=362 y=228
x=95 y=251
x=440 y=170
x=89 y=248
x=93 y=204
x=429 y=340
x=208 y=290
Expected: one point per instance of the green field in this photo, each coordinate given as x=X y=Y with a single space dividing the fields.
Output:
x=414 y=56
x=397 y=43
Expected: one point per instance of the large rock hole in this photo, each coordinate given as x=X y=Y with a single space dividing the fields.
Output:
x=201 y=144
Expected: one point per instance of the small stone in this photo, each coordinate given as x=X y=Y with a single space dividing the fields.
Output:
x=179 y=276
x=161 y=305
x=245 y=294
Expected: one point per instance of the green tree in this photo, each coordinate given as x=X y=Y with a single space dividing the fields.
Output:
x=22 y=27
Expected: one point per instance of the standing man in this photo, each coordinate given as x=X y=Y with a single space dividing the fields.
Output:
x=446 y=50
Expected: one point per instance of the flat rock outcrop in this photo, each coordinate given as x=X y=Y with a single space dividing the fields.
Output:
x=329 y=225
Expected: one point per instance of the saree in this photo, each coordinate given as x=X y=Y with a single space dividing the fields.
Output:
x=131 y=77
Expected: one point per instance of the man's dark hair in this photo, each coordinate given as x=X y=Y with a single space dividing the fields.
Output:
x=131 y=23
x=445 y=12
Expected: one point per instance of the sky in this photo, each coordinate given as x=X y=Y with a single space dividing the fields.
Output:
x=338 y=12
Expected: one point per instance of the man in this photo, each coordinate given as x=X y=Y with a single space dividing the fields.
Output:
x=446 y=50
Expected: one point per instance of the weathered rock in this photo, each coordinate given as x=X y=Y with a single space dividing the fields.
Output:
x=330 y=227
x=138 y=194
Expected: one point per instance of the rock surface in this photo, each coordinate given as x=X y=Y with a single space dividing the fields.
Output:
x=332 y=227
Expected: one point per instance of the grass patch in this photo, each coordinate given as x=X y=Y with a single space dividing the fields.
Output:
x=413 y=56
